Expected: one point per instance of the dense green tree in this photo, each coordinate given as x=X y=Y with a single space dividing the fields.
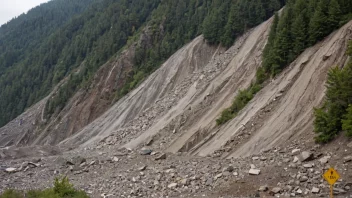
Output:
x=334 y=14
x=318 y=26
x=335 y=115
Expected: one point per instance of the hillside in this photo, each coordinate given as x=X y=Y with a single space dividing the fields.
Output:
x=194 y=102
x=76 y=74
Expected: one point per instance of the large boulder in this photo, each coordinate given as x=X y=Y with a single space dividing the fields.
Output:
x=305 y=156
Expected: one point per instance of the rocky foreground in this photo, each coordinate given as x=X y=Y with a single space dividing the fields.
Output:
x=293 y=171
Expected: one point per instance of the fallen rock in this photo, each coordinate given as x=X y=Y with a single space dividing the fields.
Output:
x=142 y=168
x=299 y=191
x=303 y=179
x=145 y=151
x=324 y=160
x=11 y=170
x=161 y=157
x=184 y=182
x=347 y=159
x=295 y=151
x=275 y=190
x=315 y=190
x=172 y=185
x=263 y=158
x=308 y=165
x=254 y=172
x=115 y=159
x=209 y=182
x=263 y=188
x=339 y=191
x=305 y=156
x=295 y=159
x=255 y=158
x=218 y=176
x=78 y=160
x=349 y=145
x=228 y=169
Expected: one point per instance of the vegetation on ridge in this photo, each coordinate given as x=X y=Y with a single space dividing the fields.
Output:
x=336 y=113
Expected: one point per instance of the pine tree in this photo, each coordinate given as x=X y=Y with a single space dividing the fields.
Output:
x=268 y=52
x=334 y=15
x=299 y=32
x=318 y=24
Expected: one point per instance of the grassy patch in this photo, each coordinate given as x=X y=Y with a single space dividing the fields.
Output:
x=62 y=189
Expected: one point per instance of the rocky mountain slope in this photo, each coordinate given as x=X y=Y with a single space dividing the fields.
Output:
x=174 y=111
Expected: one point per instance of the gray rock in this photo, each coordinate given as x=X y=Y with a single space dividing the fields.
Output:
x=263 y=188
x=142 y=168
x=209 y=182
x=299 y=191
x=252 y=166
x=305 y=156
x=228 y=169
x=303 y=179
x=276 y=190
x=115 y=159
x=78 y=160
x=315 y=190
x=184 y=182
x=172 y=185
x=339 y=190
x=11 y=170
x=161 y=157
x=308 y=165
x=218 y=176
x=347 y=159
x=92 y=163
x=349 y=145
x=263 y=158
x=145 y=151
x=254 y=172
x=295 y=151
x=324 y=160
x=295 y=159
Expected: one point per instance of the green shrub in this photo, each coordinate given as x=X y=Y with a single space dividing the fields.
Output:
x=62 y=189
x=347 y=122
x=10 y=193
x=241 y=100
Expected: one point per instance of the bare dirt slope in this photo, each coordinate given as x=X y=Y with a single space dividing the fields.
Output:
x=156 y=96
x=284 y=108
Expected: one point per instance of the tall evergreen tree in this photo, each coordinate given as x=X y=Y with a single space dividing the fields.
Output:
x=299 y=32
x=318 y=24
x=334 y=14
